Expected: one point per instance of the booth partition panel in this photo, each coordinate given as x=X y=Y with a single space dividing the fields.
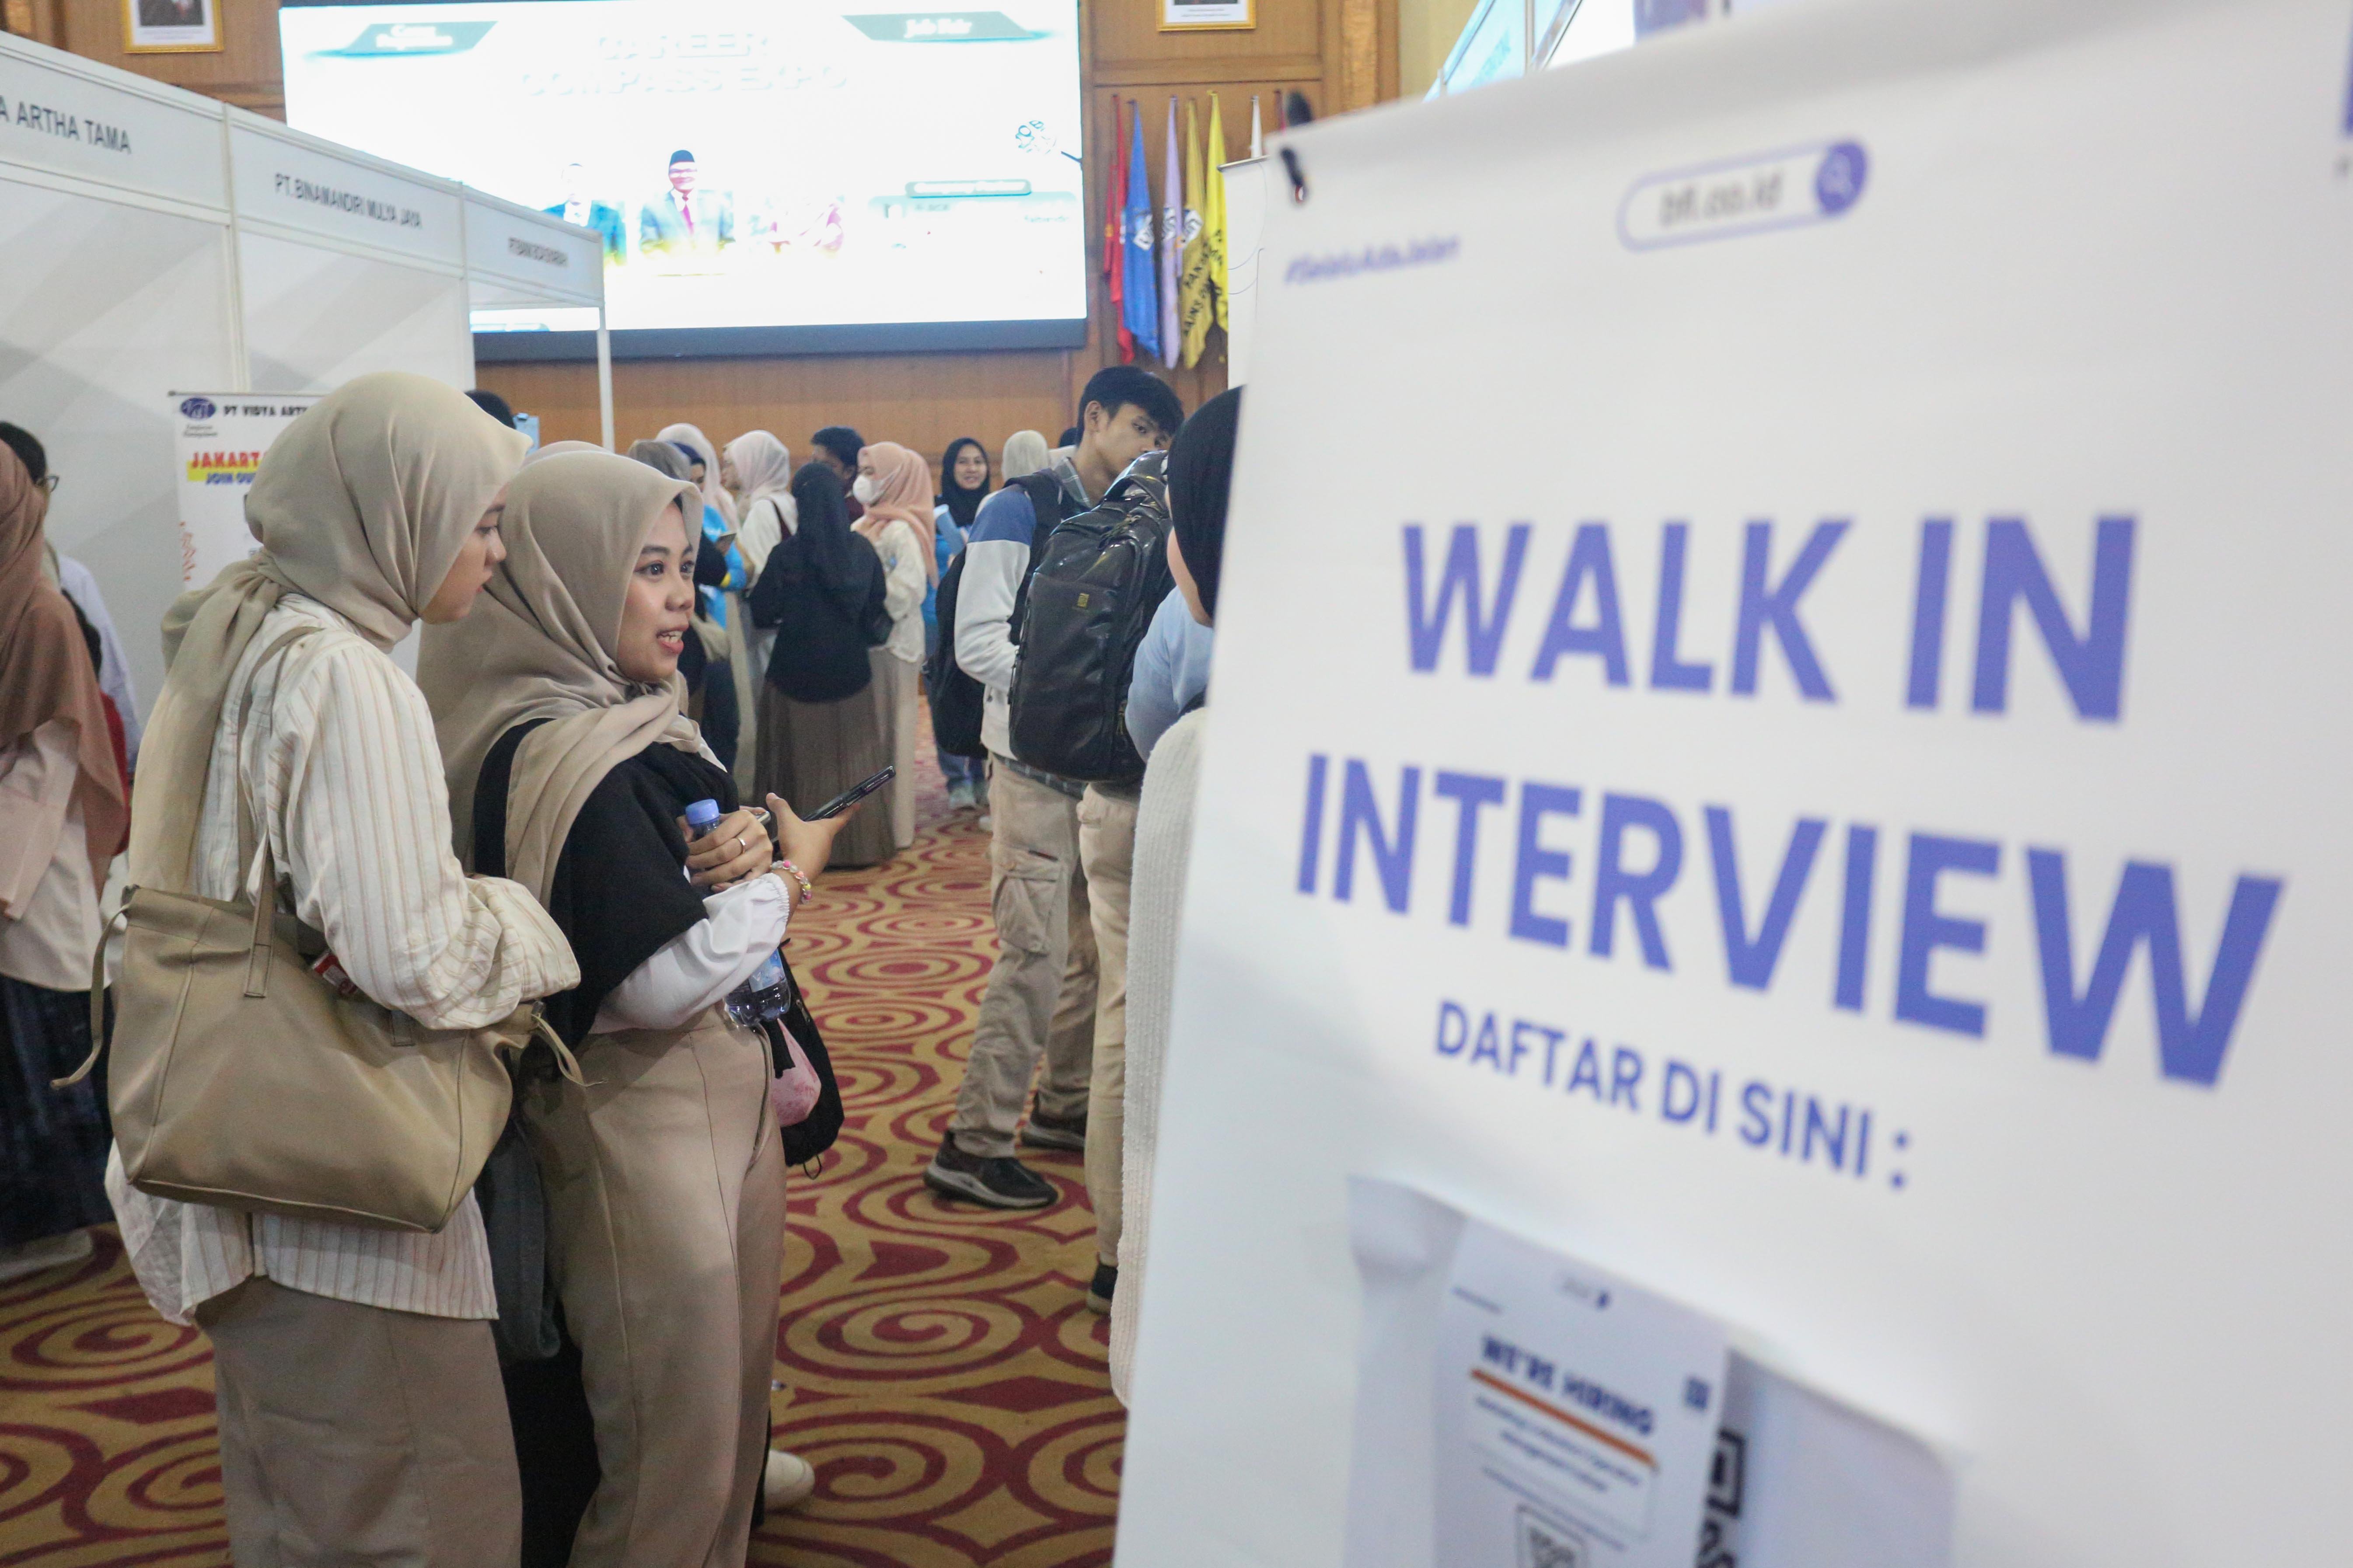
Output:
x=314 y=318
x=111 y=306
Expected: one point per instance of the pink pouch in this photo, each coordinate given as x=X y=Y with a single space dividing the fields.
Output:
x=793 y=1092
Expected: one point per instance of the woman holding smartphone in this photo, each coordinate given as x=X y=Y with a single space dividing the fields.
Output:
x=570 y=763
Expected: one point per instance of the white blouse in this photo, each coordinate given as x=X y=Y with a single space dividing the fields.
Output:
x=697 y=968
x=344 y=771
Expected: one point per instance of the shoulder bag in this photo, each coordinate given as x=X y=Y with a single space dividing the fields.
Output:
x=243 y=1079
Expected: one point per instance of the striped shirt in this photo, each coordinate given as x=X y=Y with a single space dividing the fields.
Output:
x=340 y=748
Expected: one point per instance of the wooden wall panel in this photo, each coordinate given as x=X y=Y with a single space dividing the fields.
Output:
x=1341 y=54
x=923 y=401
x=245 y=72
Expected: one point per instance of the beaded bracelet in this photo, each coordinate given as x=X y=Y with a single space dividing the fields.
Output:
x=807 y=890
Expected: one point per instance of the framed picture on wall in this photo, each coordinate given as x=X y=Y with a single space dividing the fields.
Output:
x=170 y=26
x=1184 y=16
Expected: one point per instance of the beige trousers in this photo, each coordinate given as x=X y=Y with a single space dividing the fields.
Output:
x=1041 y=994
x=1107 y=853
x=665 y=1204
x=359 y=1434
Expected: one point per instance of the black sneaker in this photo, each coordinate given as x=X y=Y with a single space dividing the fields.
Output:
x=1044 y=1132
x=1003 y=1182
x=1099 y=1289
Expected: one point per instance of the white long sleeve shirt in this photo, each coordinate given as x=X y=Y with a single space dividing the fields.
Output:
x=339 y=759
x=697 y=968
x=996 y=559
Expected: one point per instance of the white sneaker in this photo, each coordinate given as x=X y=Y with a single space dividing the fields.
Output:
x=789 y=1479
x=49 y=1252
x=960 y=798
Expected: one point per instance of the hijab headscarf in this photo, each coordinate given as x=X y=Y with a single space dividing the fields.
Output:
x=902 y=490
x=714 y=492
x=1200 y=482
x=1025 y=453
x=542 y=647
x=45 y=664
x=665 y=459
x=363 y=505
x=963 y=504
x=763 y=471
x=555 y=447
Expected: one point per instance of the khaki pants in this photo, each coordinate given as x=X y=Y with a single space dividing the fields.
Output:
x=360 y=1434
x=1107 y=852
x=1041 y=994
x=666 y=1207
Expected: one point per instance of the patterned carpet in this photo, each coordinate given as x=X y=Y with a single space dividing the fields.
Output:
x=939 y=1367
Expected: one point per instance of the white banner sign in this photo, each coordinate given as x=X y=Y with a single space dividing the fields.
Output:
x=314 y=188
x=1778 y=729
x=221 y=439
x=61 y=116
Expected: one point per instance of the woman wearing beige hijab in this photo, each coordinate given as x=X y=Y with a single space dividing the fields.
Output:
x=61 y=819
x=359 y=1409
x=895 y=484
x=757 y=470
x=557 y=706
x=1025 y=453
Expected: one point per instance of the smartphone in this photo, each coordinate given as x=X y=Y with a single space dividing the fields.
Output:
x=853 y=795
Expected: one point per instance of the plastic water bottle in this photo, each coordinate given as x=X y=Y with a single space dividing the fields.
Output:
x=702 y=816
x=768 y=994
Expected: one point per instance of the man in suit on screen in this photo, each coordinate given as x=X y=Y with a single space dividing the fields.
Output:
x=580 y=207
x=686 y=216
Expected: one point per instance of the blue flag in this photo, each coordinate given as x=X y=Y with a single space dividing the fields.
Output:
x=1139 y=277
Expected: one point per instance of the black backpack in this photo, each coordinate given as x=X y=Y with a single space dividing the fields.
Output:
x=956 y=697
x=1089 y=601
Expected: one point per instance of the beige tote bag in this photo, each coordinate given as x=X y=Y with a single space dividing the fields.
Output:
x=242 y=1079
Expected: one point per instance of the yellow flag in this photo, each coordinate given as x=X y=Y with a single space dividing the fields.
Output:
x=1194 y=307
x=1213 y=210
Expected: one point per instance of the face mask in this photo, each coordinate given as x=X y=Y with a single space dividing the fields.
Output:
x=863 y=489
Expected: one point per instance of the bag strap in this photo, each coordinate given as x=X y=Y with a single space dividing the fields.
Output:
x=565 y=1062
x=246 y=829
x=256 y=973
x=97 y=1007
x=1044 y=490
x=260 y=884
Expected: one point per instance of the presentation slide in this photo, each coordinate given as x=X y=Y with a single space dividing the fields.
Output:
x=748 y=163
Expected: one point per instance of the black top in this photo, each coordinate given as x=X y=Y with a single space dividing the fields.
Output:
x=823 y=590
x=620 y=892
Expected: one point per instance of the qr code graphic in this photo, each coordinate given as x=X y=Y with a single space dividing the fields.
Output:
x=1544 y=1544
x=1727 y=1482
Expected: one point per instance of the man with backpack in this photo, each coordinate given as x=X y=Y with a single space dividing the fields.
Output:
x=1041 y=995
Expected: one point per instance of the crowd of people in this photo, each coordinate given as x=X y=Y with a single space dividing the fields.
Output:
x=549 y=823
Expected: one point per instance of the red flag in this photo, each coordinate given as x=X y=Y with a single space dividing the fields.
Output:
x=1115 y=237
x=1113 y=187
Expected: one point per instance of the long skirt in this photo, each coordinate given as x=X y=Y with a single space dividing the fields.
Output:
x=53 y=1142
x=811 y=752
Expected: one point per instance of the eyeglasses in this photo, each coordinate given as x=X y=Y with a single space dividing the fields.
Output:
x=51 y=483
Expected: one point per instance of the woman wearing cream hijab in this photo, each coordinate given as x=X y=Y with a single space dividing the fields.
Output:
x=359 y=1409
x=895 y=484
x=726 y=629
x=557 y=706
x=758 y=471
